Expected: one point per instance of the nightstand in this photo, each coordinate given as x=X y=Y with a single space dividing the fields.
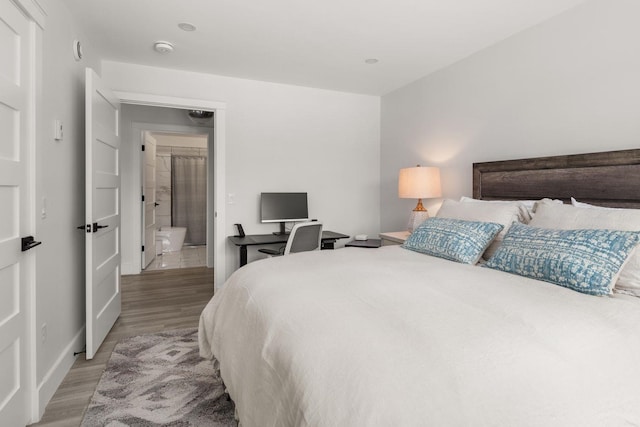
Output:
x=394 y=237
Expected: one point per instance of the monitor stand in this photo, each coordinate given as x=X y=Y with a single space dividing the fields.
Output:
x=282 y=231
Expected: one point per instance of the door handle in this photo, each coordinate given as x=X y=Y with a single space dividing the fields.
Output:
x=91 y=227
x=96 y=227
x=156 y=204
x=28 y=243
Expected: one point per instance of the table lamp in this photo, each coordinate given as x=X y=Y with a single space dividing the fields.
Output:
x=419 y=183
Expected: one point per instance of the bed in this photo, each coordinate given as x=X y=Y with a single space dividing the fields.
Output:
x=394 y=337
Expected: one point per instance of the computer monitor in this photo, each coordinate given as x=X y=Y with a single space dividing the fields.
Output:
x=283 y=207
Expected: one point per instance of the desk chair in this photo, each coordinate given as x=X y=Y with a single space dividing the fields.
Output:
x=304 y=236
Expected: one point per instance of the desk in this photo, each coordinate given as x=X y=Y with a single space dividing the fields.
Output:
x=328 y=240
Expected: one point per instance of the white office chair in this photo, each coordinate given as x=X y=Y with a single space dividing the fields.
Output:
x=304 y=236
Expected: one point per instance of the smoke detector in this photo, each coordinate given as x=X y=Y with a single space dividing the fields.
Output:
x=163 y=47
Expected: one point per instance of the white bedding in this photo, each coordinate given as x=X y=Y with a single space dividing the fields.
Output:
x=390 y=337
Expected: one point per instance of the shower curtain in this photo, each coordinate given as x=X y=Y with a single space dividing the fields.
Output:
x=189 y=197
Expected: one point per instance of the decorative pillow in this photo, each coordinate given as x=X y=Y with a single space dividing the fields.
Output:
x=587 y=261
x=499 y=213
x=452 y=239
x=567 y=217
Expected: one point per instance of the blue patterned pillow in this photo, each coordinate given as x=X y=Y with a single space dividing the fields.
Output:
x=586 y=261
x=453 y=239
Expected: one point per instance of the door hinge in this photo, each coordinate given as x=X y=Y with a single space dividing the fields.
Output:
x=142 y=248
x=143 y=197
x=142 y=147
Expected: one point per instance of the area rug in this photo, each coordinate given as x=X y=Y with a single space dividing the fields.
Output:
x=159 y=380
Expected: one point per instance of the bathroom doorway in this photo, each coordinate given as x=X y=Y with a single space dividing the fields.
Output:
x=138 y=234
x=179 y=199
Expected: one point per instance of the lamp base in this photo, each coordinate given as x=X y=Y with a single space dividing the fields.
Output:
x=417 y=218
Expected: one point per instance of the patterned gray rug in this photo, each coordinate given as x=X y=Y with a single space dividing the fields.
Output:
x=159 y=380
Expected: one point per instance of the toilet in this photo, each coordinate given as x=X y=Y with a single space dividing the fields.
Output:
x=170 y=239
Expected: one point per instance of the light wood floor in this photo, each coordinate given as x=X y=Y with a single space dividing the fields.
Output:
x=152 y=301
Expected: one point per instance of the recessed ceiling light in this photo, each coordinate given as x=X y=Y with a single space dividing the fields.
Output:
x=185 y=26
x=163 y=47
x=371 y=61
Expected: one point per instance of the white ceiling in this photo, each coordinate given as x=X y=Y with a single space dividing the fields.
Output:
x=319 y=44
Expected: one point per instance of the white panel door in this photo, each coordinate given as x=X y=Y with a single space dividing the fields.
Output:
x=149 y=200
x=15 y=211
x=102 y=211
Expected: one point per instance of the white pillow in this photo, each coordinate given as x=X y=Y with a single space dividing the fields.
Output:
x=578 y=204
x=525 y=207
x=500 y=213
x=567 y=217
x=545 y=200
x=529 y=205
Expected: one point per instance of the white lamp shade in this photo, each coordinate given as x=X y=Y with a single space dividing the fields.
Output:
x=419 y=183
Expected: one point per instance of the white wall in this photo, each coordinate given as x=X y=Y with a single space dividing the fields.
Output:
x=282 y=138
x=569 y=85
x=60 y=179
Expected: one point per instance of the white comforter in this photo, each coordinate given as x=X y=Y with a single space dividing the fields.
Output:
x=390 y=337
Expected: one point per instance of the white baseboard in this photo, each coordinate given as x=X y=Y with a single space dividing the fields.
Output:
x=129 y=268
x=53 y=378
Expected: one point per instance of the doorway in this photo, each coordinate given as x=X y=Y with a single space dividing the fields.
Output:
x=175 y=194
x=131 y=178
x=149 y=131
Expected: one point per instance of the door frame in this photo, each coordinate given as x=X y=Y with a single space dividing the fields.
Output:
x=217 y=150
x=140 y=128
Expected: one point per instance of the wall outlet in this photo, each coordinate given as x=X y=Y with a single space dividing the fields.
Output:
x=43 y=332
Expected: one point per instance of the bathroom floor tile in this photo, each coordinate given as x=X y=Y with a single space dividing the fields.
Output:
x=189 y=256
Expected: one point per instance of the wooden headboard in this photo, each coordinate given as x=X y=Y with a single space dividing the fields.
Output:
x=607 y=179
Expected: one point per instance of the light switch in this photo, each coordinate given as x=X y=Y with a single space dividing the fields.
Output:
x=58 y=133
x=231 y=198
